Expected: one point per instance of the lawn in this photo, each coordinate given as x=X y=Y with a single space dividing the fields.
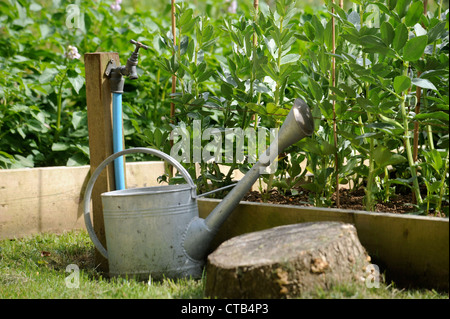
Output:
x=42 y=266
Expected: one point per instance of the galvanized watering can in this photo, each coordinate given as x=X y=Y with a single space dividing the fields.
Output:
x=156 y=231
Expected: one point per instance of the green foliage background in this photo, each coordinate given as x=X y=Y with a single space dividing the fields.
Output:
x=385 y=50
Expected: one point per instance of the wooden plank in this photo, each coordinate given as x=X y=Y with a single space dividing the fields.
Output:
x=50 y=199
x=40 y=200
x=99 y=109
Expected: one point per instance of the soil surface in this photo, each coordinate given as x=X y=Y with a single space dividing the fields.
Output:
x=398 y=204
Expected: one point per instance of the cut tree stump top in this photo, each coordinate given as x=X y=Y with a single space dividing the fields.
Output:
x=286 y=261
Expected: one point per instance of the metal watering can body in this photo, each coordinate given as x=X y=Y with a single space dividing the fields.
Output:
x=156 y=231
x=144 y=230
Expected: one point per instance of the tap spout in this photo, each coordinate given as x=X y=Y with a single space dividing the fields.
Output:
x=116 y=73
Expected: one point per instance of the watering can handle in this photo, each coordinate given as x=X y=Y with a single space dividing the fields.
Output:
x=99 y=169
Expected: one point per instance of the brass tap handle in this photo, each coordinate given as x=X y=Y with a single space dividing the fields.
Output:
x=139 y=45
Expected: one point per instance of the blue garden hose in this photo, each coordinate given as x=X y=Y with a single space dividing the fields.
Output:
x=119 y=171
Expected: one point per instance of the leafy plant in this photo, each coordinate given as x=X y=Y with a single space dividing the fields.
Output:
x=381 y=114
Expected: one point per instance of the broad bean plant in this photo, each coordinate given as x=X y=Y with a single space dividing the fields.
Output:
x=375 y=74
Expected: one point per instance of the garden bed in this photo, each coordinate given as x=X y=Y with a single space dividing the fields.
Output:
x=349 y=199
x=412 y=250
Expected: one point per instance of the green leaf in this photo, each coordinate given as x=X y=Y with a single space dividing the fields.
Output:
x=23 y=161
x=401 y=83
x=59 y=147
x=437 y=32
x=423 y=83
x=205 y=76
x=77 y=118
x=369 y=135
x=318 y=27
x=289 y=58
x=77 y=82
x=329 y=35
x=401 y=36
x=35 y=7
x=392 y=4
x=387 y=32
x=414 y=48
x=390 y=121
x=401 y=7
x=313 y=187
x=256 y=108
x=186 y=17
x=76 y=160
x=414 y=13
x=226 y=90
x=350 y=92
x=184 y=45
x=48 y=75
x=309 y=30
x=381 y=155
x=370 y=41
x=45 y=30
x=396 y=159
x=434 y=159
x=271 y=46
x=157 y=137
x=439 y=115
x=327 y=148
x=316 y=90
x=271 y=108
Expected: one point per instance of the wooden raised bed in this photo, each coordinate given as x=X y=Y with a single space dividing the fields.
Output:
x=411 y=249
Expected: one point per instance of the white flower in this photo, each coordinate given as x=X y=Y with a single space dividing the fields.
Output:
x=232 y=8
x=116 y=5
x=72 y=53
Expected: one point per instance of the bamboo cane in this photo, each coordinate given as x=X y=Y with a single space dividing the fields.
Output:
x=333 y=78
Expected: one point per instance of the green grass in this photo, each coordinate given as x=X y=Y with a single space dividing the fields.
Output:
x=35 y=267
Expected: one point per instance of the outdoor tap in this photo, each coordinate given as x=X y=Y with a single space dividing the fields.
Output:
x=116 y=73
x=130 y=67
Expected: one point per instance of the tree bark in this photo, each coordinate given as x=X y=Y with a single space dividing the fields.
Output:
x=286 y=261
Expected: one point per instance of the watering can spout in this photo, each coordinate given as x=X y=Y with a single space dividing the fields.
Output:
x=297 y=125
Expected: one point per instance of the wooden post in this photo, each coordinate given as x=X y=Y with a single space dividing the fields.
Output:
x=99 y=109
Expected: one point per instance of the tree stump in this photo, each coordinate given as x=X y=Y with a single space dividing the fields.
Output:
x=286 y=261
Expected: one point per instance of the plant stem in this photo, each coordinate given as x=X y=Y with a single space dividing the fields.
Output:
x=370 y=178
x=277 y=102
x=387 y=184
x=444 y=178
x=406 y=137
x=333 y=77
x=156 y=97
x=59 y=106
x=174 y=78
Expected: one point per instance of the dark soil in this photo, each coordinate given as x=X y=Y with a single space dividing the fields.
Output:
x=399 y=204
